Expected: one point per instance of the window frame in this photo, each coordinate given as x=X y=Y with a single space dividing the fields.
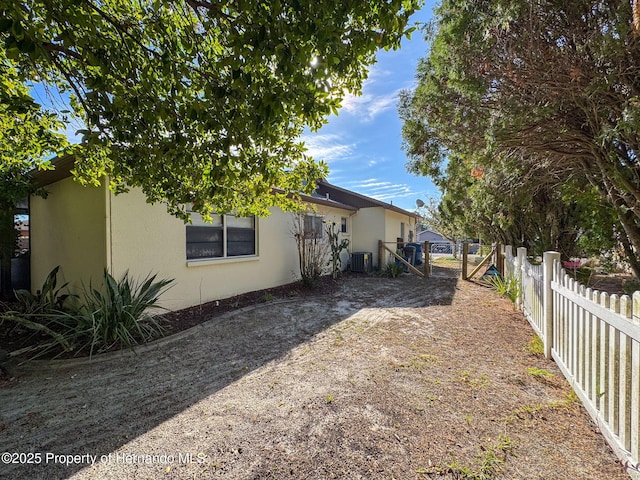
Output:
x=315 y=221
x=225 y=232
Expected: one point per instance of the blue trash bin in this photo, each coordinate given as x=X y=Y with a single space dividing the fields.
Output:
x=418 y=247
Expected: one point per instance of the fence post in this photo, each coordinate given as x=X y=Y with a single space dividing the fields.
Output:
x=427 y=267
x=498 y=259
x=521 y=257
x=635 y=383
x=465 y=259
x=548 y=260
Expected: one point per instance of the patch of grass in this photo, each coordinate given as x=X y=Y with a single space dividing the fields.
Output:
x=527 y=411
x=419 y=362
x=539 y=372
x=480 y=382
x=431 y=398
x=531 y=410
x=487 y=463
x=329 y=398
x=268 y=297
x=445 y=261
x=535 y=346
x=339 y=339
x=572 y=398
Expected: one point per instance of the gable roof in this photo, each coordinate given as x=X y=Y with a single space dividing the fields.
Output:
x=357 y=200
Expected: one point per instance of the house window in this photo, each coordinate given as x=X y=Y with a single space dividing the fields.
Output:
x=402 y=230
x=343 y=224
x=226 y=236
x=312 y=226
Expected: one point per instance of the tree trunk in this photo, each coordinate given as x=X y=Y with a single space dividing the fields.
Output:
x=631 y=257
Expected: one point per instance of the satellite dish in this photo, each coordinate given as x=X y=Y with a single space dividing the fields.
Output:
x=419 y=203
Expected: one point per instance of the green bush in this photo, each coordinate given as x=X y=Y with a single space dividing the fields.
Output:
x=49 y=298
x=393 y=269
x=119 y=314
x=631 y=286
x=582 y=274
x=507 y=287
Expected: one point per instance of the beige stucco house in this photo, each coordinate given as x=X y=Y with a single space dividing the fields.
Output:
x=88 y=229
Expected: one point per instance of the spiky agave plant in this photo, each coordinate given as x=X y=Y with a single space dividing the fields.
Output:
x=122 y=313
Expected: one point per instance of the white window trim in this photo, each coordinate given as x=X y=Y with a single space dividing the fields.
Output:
x=202 y=262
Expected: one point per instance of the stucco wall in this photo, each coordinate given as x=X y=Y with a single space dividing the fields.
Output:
x=392 y=223
x=68 y=228
x=368 y=228
x=146 y=239
x=393 y=227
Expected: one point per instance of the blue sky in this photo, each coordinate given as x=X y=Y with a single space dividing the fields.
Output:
x=362 y=145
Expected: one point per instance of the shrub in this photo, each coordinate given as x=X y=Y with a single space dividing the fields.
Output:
x=631 y=286
x=47 y=299
x=120 y=314
x=34 y=313
x=312 y=251
x=337 y=246
x=507 y=287
x=393 y=269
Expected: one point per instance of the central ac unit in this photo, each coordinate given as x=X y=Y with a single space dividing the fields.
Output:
x=361 y=262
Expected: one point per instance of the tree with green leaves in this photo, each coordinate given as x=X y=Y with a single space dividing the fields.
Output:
x=505 y=204
x=201 y=102
x=547 y=90
x=27 y=138
x=431 y=217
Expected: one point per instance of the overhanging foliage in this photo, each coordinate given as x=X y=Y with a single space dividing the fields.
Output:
x=542 y=101
x=200 y=101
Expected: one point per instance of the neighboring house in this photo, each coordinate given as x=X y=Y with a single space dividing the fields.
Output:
x=22 y=225
x=88 y=229
x=441 y=244
x=432 y=236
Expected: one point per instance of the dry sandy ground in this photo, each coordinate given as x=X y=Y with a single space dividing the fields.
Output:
x=386 y=379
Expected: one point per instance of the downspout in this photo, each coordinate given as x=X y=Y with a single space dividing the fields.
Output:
x=108 y=228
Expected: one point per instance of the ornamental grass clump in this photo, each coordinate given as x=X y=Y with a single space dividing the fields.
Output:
x=507 y=287
x=120 y=314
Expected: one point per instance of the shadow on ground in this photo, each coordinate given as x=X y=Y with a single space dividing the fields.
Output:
x=96 y=407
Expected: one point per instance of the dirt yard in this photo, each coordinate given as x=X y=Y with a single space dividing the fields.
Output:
x=384 y=379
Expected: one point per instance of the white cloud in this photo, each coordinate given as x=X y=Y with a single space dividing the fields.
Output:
x=329 y=148
x=382 y=190
x=376 y=73
x=368 y=106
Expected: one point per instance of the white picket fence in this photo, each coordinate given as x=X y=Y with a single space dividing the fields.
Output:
x=594 y=338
